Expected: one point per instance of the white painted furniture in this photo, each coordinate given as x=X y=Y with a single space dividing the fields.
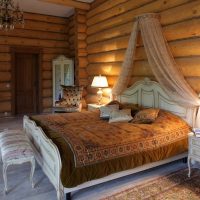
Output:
x=15 y=149
x=63 y=74
x=146 y=93
x=94 y=106
x=193 y=151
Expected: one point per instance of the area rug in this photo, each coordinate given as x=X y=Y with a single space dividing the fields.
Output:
x=175 y=186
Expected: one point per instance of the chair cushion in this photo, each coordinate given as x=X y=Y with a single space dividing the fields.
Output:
x=15 y=145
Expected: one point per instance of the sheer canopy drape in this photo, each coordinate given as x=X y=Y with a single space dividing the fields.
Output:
x=161 y=61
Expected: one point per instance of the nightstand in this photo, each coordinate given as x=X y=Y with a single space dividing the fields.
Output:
x=94 y=106
x=194 y=150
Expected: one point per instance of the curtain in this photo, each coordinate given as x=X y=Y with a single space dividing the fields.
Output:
x=162 y=63
x=127 y=65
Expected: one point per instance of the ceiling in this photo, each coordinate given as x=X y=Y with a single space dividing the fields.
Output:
x=36 y=6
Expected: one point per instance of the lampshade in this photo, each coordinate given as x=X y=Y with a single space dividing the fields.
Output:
x=100 y=82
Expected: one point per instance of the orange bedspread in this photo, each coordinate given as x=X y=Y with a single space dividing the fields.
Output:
x=94 y=142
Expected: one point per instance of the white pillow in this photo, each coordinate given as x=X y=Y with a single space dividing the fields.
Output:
x=120 y=116
x=105 y=111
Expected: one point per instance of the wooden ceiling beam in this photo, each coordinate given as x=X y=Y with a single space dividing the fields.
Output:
x=70 y=3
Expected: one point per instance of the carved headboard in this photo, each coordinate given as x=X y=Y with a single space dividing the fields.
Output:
x=149 y=93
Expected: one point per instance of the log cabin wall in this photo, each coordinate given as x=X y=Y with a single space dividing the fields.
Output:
x=109 y=25
x=47 y=32
x=81 y=62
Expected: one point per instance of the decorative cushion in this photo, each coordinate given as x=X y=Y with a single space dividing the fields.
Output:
x=15 y=145
x=123 y=115
x=105 y=111
x=134 y=108
x=146 y=116
x=72 y=96
x=115 y=102
x=6 y=134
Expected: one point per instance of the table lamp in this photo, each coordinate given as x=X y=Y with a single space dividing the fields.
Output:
x=99 y=82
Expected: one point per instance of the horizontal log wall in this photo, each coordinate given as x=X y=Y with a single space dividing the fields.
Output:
x=47 y=32
x=81 y=62
x=109 y=25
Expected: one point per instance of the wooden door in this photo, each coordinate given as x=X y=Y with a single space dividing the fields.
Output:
x=26 y=83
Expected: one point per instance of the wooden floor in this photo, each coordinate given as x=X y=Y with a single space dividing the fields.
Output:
x=20 y=187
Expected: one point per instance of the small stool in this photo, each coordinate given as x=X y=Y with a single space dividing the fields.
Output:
x=15 y=149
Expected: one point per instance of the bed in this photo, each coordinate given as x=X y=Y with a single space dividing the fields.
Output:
x=71 y=166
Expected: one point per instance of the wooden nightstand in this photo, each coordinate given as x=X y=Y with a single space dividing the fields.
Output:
x=194 y=150
x=94 y=106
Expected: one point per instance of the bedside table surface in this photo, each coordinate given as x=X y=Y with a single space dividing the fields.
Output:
x=94 y=106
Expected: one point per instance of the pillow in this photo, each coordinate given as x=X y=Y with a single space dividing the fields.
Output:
x=123 y=115
x=105 y=111
x=134 y=108
x=72 y=95
x=146 y=116
x=115 y=102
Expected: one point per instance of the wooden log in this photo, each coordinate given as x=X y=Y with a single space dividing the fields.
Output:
x=47 y=66
x=83 y=82
x=49 y=57
x=82 y=36
x=5 y=76
x=81 y=18
x=189 y=67
x=82 y=73
x=45 y=18
x=5 y=106
x=47 y=84
x=188 y=11
x=35 y=34
x=194 y=82
x=117 y=10
x=5 y=57
x=47 y=102
x=5 y=86
x=155 y=6
x=109 y=45
x=4 y=49
x=64 y=51
x=81 y=28
x=43 y=26
x=82 y=44
x=46 y=93
x=5 y=96
x=103 y=6
x=32 y=42
x=47 y=75
x=5 y=66
x=115 y=31
x=71 y=31
x=83 y=62
x=82 y=52
x=182 y=48
x=186 y=29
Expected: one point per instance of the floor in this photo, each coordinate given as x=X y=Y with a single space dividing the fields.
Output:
x=20 y=187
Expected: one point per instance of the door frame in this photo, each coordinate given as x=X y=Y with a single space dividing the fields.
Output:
x=31 y=50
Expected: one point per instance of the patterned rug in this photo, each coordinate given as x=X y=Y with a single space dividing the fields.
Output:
x=175 y=186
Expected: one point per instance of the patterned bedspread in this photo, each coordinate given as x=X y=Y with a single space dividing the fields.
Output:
x=93 y=140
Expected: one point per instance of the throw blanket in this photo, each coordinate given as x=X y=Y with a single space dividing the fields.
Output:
x=94 y=141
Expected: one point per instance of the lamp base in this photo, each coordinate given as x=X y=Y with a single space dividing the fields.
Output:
x=99 y=94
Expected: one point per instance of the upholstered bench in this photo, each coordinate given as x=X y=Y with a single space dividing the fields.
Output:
x=15 y=149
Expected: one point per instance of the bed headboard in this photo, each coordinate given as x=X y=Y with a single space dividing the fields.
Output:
x=149 y=93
